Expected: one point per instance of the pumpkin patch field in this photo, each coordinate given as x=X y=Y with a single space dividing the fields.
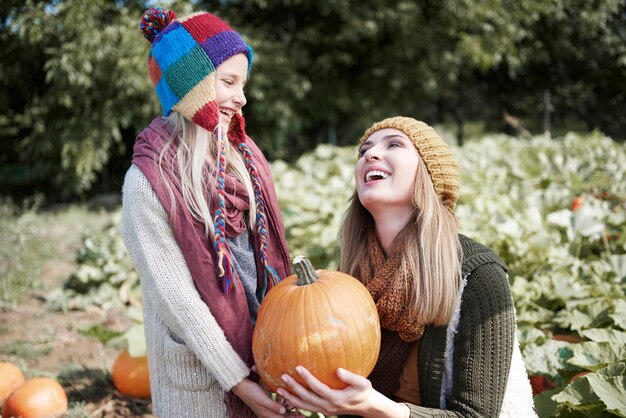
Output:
x=553 y=209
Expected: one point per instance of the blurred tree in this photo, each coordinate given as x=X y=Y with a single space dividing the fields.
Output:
x=326 y=69
x=576 y=50
x=72 y=83
x=74 y=89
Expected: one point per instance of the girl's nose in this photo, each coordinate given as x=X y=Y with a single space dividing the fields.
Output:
x=240 y=98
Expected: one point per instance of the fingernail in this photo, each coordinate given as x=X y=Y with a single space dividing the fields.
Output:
x=285 y=378
x=299 y=370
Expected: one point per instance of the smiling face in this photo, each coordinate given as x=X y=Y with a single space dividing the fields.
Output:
x=231 y=79
x=386 y=170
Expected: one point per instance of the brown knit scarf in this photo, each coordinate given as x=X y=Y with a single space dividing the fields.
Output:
x=382 y=278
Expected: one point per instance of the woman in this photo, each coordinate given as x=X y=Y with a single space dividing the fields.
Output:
x=201 y=222
x=447 y=318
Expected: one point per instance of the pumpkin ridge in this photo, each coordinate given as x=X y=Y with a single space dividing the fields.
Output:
x=322 y=320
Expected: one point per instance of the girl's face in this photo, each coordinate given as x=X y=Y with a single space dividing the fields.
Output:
x=231 y=78
x=385 y=172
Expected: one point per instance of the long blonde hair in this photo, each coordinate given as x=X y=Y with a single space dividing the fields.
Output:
x=429 y=248
x=196 y=157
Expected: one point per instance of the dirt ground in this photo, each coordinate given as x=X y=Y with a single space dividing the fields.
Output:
x=48 y=343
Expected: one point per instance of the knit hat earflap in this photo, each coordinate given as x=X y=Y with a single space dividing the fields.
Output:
x=437 y=156
x=182 y=64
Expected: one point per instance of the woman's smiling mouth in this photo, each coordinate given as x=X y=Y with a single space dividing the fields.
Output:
x=374 y=175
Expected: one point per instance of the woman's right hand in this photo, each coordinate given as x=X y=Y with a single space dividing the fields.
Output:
x=258 y=400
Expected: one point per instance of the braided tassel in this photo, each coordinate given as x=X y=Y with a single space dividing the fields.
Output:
x=225 y=268
x=260 y=219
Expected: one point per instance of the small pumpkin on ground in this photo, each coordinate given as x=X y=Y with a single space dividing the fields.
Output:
x=39 y=397
x=321 y=320
x=10 y=378
x=131 y=375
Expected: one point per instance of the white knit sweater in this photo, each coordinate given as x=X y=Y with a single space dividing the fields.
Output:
x=191 y=362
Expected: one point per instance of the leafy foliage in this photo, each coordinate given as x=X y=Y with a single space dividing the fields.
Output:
x=105 y=276
x=313 y=195
x=72 y=81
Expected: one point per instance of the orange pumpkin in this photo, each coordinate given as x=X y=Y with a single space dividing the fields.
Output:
x=131 y=375
x=10 y=378
x=39 y=397
x=321 y=320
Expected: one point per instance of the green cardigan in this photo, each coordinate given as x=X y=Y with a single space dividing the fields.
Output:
x=481 y=346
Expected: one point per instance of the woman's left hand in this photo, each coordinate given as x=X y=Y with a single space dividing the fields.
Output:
x=357 y=398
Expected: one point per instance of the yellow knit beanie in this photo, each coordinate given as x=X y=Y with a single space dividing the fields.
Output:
x=441 y=165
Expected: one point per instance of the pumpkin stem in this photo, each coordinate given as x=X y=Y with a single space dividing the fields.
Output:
x=305 y=272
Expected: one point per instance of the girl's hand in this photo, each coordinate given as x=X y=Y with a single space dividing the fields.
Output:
x=359 y=398
x=290 y=409
x=258 y=400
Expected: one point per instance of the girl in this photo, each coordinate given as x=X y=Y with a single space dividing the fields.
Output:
x=447 y=318
x=201 y=222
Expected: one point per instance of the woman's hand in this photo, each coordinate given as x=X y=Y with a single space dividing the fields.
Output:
x=359 y=398
x=258 y=400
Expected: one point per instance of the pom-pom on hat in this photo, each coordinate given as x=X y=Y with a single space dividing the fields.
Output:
x=441 y=165
x=182 y=61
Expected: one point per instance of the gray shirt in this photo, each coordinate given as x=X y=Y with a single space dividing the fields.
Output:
x=245 y=265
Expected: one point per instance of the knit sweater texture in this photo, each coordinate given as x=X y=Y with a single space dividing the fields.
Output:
x=473 y=366
x=190 y=360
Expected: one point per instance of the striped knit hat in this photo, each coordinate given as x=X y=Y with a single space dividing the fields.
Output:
x=182 y=63
x=441 y=165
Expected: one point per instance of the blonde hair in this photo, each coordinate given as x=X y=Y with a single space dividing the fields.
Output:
x=429 y=249
x=195 y=147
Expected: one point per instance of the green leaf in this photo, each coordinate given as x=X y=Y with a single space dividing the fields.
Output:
x=136 y=341
x=574 y=319
x=605 y=335
x=619 y=313
x=585 y=313
x=578 y=393
x=612 y=391
x=545 y=405
x=609 y=384
x=593 y=356
x=527 y=335
x=135 y=313
x=547 y=358
x=615 y=369
x=102 y=333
